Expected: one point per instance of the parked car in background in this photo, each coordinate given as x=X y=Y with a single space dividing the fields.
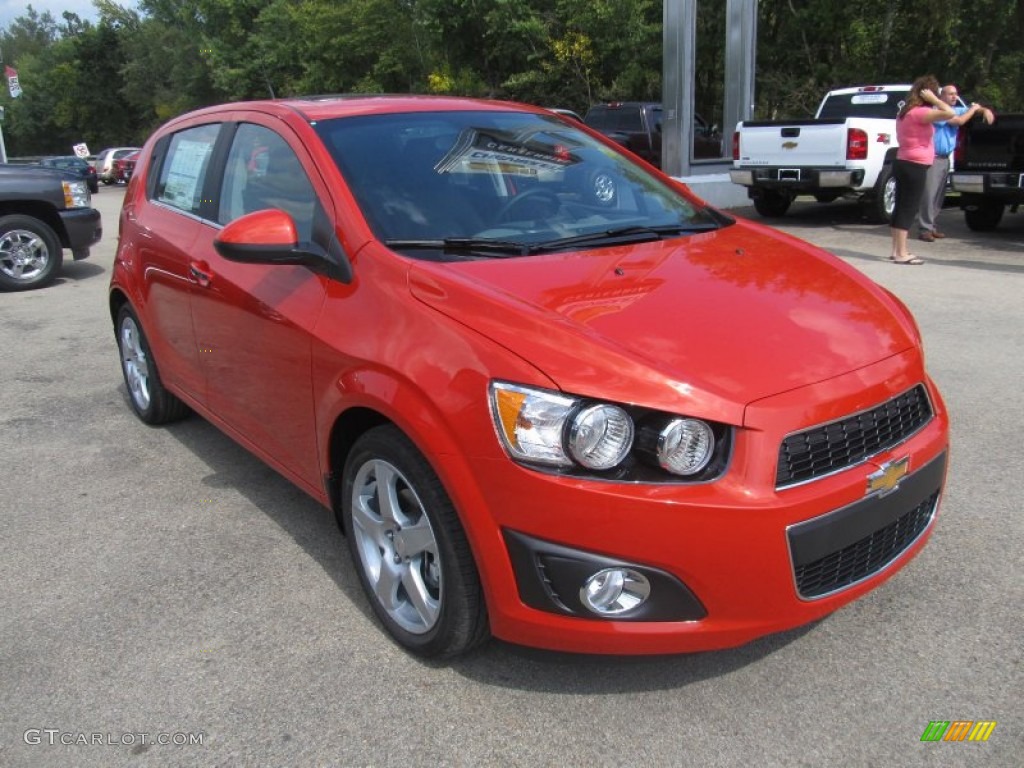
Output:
x=846 y=150
x=105 y=169
x=625 y=423
x=124 y=167
x=989 y=169
x=636 y=125
x=75 y=165
x=42 y=212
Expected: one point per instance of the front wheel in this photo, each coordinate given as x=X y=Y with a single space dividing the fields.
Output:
x=30 y=253
x=150 y=400
x=983 y=218
x=772 y=204
x=409 y=547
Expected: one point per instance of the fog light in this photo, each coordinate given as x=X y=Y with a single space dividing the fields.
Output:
x=615 y=590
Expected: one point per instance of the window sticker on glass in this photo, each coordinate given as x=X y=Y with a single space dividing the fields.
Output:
x=185 y=172
x=479 y=152
x=870 y=98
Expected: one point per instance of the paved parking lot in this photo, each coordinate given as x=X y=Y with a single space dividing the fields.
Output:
x=164 y=585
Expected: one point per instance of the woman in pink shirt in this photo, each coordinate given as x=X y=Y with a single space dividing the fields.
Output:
x=914 y=132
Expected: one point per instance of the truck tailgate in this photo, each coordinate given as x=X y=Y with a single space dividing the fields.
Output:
x=820 y=143
x=997 y=147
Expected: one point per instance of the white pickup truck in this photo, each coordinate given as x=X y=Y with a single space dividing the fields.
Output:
x=846 y=150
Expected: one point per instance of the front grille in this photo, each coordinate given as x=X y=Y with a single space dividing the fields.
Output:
x=869 y=555
x=831 y=447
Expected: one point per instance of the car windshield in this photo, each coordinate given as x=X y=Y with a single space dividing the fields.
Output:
x=444 y=184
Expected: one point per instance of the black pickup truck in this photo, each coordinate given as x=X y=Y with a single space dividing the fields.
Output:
x=42 y=212
x=989 y=169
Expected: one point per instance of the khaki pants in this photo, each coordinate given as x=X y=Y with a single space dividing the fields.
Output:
x=934 y=194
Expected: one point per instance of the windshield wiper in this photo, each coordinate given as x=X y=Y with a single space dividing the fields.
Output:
x=483 y=246
x=632 y=234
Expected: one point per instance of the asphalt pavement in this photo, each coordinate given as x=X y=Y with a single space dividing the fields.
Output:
x=166 y=599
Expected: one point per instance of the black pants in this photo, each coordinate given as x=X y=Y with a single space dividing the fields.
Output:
x=910 y=179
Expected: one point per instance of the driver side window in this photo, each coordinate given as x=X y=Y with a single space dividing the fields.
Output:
x=263 y=172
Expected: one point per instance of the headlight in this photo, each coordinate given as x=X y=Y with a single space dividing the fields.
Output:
x=531 y=422
x=538 y=426
x=600 y=436
x=548 y=428
x=76 y=194
x=685 y=446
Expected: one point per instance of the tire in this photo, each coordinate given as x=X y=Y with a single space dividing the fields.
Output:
x=412 y=555
x=772 y=204
x=30 y=253
x=985 y=217
x=146 y=392
x=882 y=203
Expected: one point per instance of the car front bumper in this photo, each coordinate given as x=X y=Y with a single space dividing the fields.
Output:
x=84 y=228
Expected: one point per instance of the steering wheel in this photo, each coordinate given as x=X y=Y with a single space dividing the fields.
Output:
x=538 y=195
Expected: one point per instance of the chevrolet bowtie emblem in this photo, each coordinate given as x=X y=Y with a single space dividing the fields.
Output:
x=789 y=145
x=887 y=479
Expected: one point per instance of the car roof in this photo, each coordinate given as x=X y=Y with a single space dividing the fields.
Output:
x=325 y=107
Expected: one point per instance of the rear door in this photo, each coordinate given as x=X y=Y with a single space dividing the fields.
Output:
x=165 y=228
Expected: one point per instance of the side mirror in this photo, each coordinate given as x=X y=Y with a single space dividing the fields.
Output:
x=271 y=237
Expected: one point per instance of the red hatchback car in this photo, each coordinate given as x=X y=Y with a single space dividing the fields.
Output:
x=549 y=394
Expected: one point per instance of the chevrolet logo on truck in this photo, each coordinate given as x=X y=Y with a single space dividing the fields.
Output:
x=790 y=144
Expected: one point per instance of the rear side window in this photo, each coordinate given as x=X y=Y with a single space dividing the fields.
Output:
x=183 y=172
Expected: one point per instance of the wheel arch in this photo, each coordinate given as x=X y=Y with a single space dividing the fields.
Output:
x=347 y=428
x=430 y=434
x=115 y=301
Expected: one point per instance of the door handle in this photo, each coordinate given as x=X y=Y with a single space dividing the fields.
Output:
x=199 y=274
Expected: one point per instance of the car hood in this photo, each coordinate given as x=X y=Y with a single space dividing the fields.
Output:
x=705 y=324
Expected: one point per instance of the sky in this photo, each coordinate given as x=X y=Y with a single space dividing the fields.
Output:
x=12 y=9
